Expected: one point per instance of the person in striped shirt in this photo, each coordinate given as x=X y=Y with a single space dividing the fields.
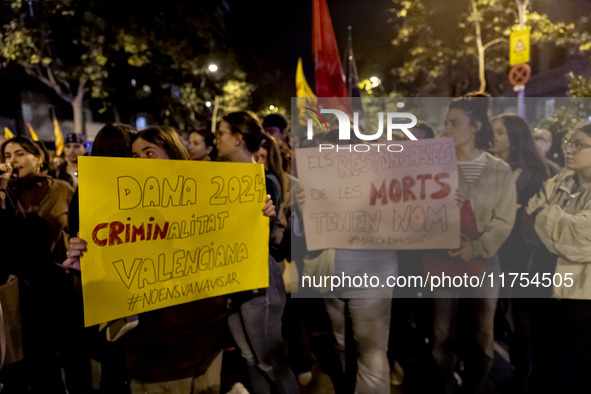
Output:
x=487 y=182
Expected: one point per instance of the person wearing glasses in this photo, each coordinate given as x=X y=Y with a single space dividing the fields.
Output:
x=561 y=326
x=543 y=139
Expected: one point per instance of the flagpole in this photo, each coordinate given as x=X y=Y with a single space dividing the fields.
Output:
x=350 y=62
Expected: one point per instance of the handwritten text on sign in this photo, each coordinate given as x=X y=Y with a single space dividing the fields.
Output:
x=167 y=232
x=380 y=199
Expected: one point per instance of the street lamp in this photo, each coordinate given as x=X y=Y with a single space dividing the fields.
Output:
x=271 y=107
x=212 y=67
x=208 y=104
x=377 y=82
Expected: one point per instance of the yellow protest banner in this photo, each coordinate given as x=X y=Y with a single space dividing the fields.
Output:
x=519 y=46
x=166 y=232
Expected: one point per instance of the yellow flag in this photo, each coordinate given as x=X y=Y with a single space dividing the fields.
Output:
x=59 y=138
x=8 y=134
x=305 y=95
x=33 y=135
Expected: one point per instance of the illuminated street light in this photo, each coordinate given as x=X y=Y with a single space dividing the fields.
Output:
x=374 y=79
x=271 y=107
x=212 y=67
x=208 y=104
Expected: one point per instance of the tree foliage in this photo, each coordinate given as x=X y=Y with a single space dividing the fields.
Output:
x=62 y=45
x=151 y=59
x=577 y=111
x=442 y=40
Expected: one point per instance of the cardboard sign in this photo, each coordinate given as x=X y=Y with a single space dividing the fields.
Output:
x=519 y=46
x=166 y=232
x=381 y=199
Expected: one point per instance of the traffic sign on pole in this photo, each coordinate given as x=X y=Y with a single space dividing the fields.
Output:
x=519 y=74
x=519 y=45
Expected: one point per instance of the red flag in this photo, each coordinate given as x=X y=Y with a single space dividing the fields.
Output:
x=330 y=78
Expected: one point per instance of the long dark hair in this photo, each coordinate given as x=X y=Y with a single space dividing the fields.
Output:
x=477 y=110
x=274 y=160
x=167 y=139
x=248 y=125
x=113 y=140
x=522 y=148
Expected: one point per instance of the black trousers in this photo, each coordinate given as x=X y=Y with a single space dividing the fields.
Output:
x=561 y=346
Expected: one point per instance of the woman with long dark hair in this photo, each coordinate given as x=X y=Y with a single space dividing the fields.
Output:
x=202 y=145
x=113 y=140
x=488 y=186
x=561 y=326
x=269 y=154
x=176 y=349
x=514 y=144
x=35 y=215
x=256 y=321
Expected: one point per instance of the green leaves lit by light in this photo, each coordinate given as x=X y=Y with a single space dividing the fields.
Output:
x=236 y=95
x=135 y=47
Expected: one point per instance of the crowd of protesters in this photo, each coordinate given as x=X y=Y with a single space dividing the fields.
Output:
x=524 y=213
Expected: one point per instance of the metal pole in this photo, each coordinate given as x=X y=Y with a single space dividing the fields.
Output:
x=350 y=64
x=521 y=103
x=215 y=113
x=521 y=9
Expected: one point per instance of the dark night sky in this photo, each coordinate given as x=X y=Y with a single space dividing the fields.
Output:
x=269 y=36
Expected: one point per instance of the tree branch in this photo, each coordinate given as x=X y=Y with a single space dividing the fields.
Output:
x=53 y=80
x=493 y=42
x=48 y=82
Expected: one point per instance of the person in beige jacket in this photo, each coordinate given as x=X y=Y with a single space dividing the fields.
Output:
x=487 y=182
x=561 y=326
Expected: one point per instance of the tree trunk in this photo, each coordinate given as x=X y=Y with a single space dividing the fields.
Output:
x=77 y=108
x=480 y=47
x=481 y=74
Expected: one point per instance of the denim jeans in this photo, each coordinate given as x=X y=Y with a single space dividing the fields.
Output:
x=480 y=307
x=370 y=318
x=256 y=328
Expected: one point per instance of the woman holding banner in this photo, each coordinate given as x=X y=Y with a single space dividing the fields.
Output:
x=176 y=348
x=488 y=186
x=113 y=140
x=256 y=322
x=368 y=308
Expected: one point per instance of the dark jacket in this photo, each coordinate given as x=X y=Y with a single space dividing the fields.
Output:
x=515 y=252
x=35 y=221
x=62 y=173
x=177 y=342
